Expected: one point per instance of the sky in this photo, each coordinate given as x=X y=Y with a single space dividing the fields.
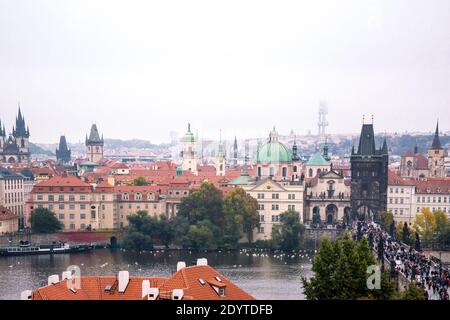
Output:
x=141 y=69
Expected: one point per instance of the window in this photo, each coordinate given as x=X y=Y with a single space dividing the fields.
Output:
x=93 y=214
x=82 y=206
x=61 y=216
x=51 y=198
x=40 y=197
x=260 y=229
x=82 y=216
x=275 y=207
x=125 y=196
x=138 y=196
x=275 y=196
x=82 y=198
x=275 y=218
x=61 y=206
x=72 y=207
x=71 y=216
x=61 y=197
x=149 y=196
x=71 y=198
x=72 y=226
x=291 y=196
x=82 y=226
x=260 y=207
x=261 y=218
x=291 y=207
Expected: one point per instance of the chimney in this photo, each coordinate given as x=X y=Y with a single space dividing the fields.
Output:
x=66 y=275
x=53 y=279
x=124 y=279
x=181 y=265
x=177 y=294
x=26 y=295
x=153 y=294
x=202 y=262
x=145 y=287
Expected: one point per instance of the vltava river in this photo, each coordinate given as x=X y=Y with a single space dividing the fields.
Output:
x=262 y=274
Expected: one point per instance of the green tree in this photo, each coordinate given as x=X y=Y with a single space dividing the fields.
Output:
x=414 y=293
x=140 y=181
x=241 y=215
x=287 y=235
x=180 y=227
x=441 y=227
x=204 y=203
x=340 y=271
x=140 y=232
x=388 y=218
x=43 y=220
x=201 y=237
x=406 y=235
x=164 y=230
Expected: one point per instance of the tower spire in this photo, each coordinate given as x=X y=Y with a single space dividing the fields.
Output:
x=436 y=145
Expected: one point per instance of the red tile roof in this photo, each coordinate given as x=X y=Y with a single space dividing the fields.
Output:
x=187 y=279
x=6 y=214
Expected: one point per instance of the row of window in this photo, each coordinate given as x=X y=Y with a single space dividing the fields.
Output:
x=12 y=197
x=146 y=206
x=291 y=196
x=275 y=218
x=396 y=190
x=137 y=196
x=275 y=207
x=13 y=184
x=434 y=199
x=62 y=198
x=433 y=209
x=62 y=216
x=397 y=200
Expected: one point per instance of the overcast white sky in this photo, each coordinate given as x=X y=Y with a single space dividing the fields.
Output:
x=140 y=69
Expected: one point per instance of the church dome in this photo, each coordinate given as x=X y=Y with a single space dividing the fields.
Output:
x=274 y=151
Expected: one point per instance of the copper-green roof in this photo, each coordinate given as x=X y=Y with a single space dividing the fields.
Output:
x=274 y=152
x=243 y=179
x=317 y=160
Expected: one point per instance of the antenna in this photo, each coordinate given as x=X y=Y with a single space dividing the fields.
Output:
x=322 y=124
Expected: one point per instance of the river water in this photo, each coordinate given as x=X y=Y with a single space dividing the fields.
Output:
x=264 y=275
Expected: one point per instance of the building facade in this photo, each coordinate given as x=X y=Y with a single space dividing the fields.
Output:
x=12 y=193
x=274 y=198
x=327 y=198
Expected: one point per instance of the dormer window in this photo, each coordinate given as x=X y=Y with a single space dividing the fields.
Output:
x=138 y=196
x=150 y=196
x=125 y=196
x=222 y=292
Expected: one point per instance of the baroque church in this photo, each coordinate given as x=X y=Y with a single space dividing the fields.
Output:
x=14 y=148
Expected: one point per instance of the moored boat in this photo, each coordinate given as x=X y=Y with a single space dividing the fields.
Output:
x=26 y=248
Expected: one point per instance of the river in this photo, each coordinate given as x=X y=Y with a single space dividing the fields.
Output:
x=264 y=275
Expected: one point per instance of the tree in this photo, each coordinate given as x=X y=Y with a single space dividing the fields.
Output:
x=204 y=203
x=414 y=293
x=241 y=213
x=392 y=230
x=388 y=218
x=43 y=220
x=288 y=234
x=201 y=237
x=164 y=230
x=340 y=270
x=140 y=232
x=425 y=225
x=441 y=227
x=140 y=181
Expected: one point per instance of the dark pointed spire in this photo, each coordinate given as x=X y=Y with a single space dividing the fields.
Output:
x=63 y=153
x=436 y=145
x=20 y=129
x=367 y=140
x=94 y=136
x=295 y=156
x=416 y=148
x=384 y=149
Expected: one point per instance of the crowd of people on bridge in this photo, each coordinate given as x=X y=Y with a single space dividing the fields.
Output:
x=415 y=266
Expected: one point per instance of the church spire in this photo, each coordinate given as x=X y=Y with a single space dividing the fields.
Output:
x=436 y=145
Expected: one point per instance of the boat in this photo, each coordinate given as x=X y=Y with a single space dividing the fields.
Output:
x=26 y=248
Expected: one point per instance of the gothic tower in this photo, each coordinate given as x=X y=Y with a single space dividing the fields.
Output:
x=63 y=153
x=189 y=152
x=94 y=145
x=436 y=157
x=369 y=177
x=21 y=134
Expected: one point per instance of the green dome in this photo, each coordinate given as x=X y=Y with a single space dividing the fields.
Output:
x=317 y=160
x=274 y=152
